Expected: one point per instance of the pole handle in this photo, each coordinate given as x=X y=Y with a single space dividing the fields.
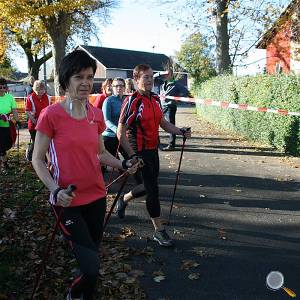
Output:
x=70 y=189
x=184 y=130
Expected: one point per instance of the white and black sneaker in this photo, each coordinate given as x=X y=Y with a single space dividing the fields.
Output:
x=162 y=237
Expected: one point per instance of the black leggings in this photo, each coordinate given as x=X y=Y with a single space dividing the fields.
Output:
x=32 y=135
x=5 y=140
x=150 y=173
x=170 y=113
x=82 y=226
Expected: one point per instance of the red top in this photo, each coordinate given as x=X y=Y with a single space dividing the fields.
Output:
x=99 y=100
x=142 y=115
x=35 y=105
x=74 y=151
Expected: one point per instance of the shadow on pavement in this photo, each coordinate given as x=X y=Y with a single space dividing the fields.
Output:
x=199 y=149
x=234 y=181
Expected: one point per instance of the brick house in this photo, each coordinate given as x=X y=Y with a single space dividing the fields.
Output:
x=282 y=42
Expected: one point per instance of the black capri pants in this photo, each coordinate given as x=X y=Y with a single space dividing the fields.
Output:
x=82 y=226
x=5 y=140
x=150 y=173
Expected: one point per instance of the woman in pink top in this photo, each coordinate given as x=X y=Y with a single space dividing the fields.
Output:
x=106 y=92
x=71 y=132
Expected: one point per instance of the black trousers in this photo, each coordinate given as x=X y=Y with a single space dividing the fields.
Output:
x=150 y=173
x=111 y=145
x=82 y=226
x=5 y=140
x=169 y=113
x=32 y=135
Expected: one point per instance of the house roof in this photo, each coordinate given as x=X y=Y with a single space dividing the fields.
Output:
x=269 y=34
x=113 y=58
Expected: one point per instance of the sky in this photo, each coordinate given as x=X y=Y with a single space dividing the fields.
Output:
x=135 y=25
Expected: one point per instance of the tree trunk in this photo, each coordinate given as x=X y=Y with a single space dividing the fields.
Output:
x=58 y=49
x=33 y=62
x=59 y=40
x=38 y=62
x=222 y=37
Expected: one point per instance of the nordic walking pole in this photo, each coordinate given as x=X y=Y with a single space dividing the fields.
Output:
x=111 y=172
x=70 y=189
x=18 y=145
x=125 y=175
x=177 y=175
x=117 y=179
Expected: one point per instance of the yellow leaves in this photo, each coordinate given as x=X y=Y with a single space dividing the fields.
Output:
x=126 y=232
x=3 y=45
x=17 y=12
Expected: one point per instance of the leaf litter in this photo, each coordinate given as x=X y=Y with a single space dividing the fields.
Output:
x=24 y=234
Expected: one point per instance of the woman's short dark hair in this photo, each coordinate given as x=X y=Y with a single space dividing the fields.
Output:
x=118 y=79
x=3 y=81
x=72 y=64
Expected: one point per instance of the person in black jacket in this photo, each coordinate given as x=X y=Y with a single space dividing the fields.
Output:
x=171 y=87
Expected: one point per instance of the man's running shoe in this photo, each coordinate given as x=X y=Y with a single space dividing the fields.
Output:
x=168 y=148
x=121 y=206
x=162 y=237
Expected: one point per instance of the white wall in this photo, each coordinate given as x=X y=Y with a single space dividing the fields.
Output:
x=295 y=57
x=116 y=73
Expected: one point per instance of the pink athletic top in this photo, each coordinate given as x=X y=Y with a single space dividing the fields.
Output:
x=74 y=151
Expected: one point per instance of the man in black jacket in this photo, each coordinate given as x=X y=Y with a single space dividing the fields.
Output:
x=171 y=87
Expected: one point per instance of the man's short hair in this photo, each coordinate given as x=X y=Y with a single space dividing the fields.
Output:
x=73 y=63
x=138 y=69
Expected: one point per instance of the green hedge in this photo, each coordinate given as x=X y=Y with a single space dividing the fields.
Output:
x=275 y=92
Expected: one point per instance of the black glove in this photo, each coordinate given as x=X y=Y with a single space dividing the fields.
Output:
x=137 y=159
x=124 y=164
x=185 y=129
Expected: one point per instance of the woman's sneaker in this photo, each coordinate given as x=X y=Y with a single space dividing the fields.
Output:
x=69 y=297
x=120 y=210
x=162 y=237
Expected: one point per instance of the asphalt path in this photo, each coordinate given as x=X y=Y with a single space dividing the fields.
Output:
x=236 y=218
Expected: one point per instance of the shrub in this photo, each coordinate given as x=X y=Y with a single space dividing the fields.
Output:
x=268 y=91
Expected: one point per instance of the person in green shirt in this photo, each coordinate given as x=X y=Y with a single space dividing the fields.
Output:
x=7 y=106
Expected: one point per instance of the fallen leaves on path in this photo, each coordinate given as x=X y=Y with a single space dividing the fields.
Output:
x=158 y=276
x=222 y=234
x=188 y=264
x=25 y=232
x=194 y=276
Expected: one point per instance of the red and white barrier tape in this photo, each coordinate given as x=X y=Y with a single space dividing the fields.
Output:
x=225 y=105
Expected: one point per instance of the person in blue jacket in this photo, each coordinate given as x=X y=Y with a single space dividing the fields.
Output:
x=111 y=110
